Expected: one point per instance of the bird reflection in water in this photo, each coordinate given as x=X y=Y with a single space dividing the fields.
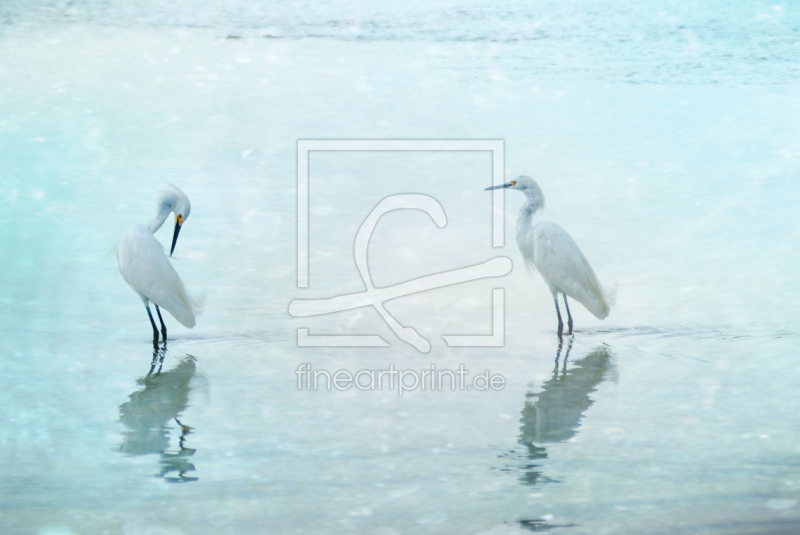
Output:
x=554 y=414
x=149 y=417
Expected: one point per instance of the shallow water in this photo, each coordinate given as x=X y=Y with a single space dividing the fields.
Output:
x=676 y=414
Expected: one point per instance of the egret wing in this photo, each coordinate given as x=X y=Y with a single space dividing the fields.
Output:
x=147 y=270
x=565 y=269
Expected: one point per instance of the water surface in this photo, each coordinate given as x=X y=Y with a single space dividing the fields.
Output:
x=664 y=138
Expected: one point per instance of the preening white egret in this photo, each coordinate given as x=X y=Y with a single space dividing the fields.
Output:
x=548 y=248
x=146 y=269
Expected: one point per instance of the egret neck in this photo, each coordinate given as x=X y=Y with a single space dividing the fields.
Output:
x=166 y=206
x=534 y=203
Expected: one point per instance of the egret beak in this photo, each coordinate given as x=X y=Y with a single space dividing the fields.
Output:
x=175 y=235
x=501 y=186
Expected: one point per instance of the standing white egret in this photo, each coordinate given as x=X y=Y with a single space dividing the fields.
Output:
x=548 y=248
x=146 y=269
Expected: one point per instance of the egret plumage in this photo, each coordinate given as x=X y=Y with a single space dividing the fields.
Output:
x=548 y=248
x=148 y=271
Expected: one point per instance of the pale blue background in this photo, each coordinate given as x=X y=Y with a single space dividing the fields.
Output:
x=665 y=138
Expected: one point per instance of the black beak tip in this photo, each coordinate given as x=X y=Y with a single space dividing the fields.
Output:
x=175 y=237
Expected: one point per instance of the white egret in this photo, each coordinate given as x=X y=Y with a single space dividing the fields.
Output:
x=146 y=269
x=548 y=248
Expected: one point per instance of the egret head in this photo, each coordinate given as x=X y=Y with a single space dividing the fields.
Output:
x=522 y=183
x=529 y=187
x=176 y=201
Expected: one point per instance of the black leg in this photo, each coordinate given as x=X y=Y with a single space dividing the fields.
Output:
x=565 y=304
x=164 y=327
x=153 y=323
x=560 y=323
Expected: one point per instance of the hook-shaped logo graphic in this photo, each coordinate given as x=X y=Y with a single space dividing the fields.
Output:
x=376 y=297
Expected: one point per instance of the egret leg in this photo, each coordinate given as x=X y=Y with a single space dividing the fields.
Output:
x=569 y=323
x=560 y=323
x=164 y=327
x=153 y=323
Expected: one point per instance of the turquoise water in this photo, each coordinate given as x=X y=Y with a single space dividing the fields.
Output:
x=665 y=140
